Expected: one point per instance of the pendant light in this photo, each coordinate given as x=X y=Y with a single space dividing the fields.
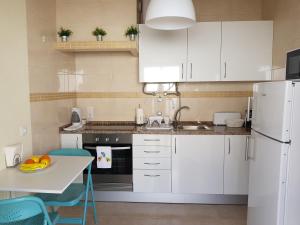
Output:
x=170 y=14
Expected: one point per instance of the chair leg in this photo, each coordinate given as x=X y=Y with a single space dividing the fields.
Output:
x=93 y=200
x=87 y=188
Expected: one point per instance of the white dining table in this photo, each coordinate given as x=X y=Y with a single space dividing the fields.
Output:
x=53 y=180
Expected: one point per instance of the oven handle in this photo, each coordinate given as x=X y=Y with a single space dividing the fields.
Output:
x=113 y=148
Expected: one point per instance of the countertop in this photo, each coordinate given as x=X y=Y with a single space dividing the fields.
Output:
x=130 y=127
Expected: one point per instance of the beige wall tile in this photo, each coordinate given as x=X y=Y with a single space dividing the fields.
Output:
x=108 y=72
x=45 y=63
x=124 y=109
x=118 y=72
x=47 y=117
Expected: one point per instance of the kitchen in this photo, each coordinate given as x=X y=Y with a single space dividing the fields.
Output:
x=108 y=86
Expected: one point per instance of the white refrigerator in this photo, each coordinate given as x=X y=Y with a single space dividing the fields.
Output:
x=274 y=183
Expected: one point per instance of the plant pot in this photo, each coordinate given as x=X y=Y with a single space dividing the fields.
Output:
x=99 y=38
x=132 y=37
x=64 y=38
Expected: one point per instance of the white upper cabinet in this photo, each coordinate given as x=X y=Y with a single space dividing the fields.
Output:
x=209 y=51
x=162 y=55
x=197 y=164
x=204 y=44
x=236 y=165
x=246 y=50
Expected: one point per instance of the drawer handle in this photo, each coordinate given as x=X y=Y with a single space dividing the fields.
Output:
x=154 y=164
x=147 y=175
x=151 y=139
x=152 y=151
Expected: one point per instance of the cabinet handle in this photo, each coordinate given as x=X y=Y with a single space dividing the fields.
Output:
x=77 y=142
x=151 y=139
x=229 y=146
x=147 y=175
x=225 y=72
x=191 y=74
x=182 y=72
x=175 y=146
x=152 y=164
x=247 y=149
x=152 y=151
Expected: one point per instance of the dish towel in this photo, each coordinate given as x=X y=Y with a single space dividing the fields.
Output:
x=103 y=157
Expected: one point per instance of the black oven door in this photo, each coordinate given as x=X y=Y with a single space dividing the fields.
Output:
x=293 y=65
x=121 y=160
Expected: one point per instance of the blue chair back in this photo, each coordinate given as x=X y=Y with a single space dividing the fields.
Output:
x=69 y=152
x=18 y=209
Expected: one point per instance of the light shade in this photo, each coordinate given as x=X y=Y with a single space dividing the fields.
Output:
x=170 y=14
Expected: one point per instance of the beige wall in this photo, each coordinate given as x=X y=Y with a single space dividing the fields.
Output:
x=286 y=16
x=45 y=65
x=82 y=16
x=216 y=10
x=14 y=90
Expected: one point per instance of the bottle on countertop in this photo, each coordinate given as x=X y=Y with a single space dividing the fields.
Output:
x=139 y=116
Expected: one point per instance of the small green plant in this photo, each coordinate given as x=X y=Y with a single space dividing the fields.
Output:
x=64 y=32
x=99 y=31
x=132 y=30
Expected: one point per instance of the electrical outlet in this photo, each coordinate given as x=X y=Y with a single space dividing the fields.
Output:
x=23 y=131
x=90 y=113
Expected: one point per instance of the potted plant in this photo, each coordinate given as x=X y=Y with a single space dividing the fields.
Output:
x=64 y=34
x=132 y=32
x=99 y=33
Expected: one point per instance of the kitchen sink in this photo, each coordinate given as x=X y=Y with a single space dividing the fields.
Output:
x=194 y=127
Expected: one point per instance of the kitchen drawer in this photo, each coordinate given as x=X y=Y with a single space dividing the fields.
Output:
x=151 y=151
x=152 y=139
x=158 y=181
x=152 y=163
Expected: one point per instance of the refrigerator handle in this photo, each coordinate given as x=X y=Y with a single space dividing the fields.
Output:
x=247 y=148
x=229 y=146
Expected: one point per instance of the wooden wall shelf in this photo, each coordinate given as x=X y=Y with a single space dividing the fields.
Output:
x=98 y=46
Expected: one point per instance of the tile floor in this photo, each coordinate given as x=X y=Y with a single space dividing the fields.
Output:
x=164 y=214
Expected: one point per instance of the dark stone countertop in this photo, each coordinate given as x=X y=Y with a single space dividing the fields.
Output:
x=130 y=127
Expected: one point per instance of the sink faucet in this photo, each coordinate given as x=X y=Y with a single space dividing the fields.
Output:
x=176 y=120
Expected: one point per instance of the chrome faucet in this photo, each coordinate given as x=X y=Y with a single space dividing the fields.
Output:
x=176 y=120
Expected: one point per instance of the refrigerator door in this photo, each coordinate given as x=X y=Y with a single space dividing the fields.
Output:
x=267 y=181
x=272 y=107
x=293 y=185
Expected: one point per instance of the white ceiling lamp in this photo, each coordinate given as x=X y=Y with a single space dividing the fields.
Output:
x=170 y=14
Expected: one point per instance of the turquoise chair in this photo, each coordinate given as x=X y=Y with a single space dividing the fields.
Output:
x=73 y=195
x=27 y=210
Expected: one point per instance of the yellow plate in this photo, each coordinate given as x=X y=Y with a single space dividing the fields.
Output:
x=26 y=168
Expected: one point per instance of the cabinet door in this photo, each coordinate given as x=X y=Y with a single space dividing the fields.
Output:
x=162 y=55
x=236 y=165
x=71 y=140
x=204 y=45
x=197 y=164
x=246 y=50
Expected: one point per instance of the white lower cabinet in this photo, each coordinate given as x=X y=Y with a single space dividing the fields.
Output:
x=197 y=164
x=236 y=165
x=71 y=140
x=152 y=163
x=158 y=181
x=191 y=164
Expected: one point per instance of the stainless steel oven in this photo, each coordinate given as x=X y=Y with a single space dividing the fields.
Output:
x=119 y=176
